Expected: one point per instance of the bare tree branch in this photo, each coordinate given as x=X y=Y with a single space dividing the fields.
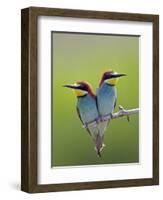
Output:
x=121 y=113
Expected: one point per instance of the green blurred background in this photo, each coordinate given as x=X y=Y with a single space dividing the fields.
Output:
x=86 y=57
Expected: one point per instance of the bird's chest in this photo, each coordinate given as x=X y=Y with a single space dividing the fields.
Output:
x=106 y=99
x=87 y=108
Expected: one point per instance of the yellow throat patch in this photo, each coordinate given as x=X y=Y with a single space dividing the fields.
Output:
x=112 y=81
x=80 y=93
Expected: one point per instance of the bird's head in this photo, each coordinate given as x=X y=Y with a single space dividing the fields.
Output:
x=110 y=77
x=81 y=88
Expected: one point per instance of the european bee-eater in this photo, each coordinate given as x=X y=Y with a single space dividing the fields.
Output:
x=87 y=110
x=106 y=96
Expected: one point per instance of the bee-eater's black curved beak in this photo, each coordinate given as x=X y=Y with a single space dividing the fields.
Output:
x=71 y=86
x=118 y=75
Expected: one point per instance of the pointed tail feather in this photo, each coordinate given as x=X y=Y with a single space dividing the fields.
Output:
x=97 y=133
x=99 y=144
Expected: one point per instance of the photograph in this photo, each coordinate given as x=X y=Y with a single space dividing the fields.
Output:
x=95 y=99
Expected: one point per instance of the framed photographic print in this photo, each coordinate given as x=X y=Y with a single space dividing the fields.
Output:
x=105 y=133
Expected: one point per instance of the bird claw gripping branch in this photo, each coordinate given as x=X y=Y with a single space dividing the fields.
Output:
x=122 y=112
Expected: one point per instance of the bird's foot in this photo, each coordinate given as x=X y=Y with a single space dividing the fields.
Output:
x=98 y=120
x=105 y=118
x=92 y=123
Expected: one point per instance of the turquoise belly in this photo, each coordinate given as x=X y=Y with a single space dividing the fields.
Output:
x=87 y=108
x=106 y=97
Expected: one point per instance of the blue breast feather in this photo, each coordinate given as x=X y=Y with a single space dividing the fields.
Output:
x=87 y=108
x=106 y=98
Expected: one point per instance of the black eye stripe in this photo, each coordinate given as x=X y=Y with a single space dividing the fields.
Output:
x=82 y=87
x=107 y=76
